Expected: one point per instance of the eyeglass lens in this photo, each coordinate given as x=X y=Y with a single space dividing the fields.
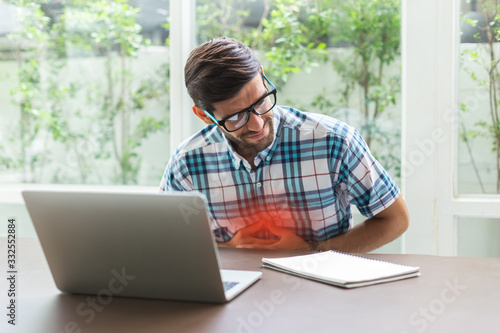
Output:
x=240 y=119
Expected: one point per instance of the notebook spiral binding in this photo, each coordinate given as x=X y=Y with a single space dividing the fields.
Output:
x=367 y=258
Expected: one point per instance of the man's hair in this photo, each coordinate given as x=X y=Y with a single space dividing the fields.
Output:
x=217 y=70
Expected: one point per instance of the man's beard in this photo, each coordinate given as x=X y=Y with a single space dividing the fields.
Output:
x=246 y=148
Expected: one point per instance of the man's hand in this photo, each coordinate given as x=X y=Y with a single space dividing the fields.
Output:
x=245 y=236
x=366 y=236
x=288 y=241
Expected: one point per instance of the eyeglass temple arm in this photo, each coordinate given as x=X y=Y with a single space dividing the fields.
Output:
x=211 y=117
x=265 y=77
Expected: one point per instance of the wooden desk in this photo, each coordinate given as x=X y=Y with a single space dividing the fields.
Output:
x=453 y=295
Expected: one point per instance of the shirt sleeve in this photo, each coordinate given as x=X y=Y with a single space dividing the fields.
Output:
x=175 y=177
x=368 y=185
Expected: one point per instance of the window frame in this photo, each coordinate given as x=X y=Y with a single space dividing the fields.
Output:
x=430 y=133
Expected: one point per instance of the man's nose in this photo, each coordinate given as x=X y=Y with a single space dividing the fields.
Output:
x=255 y=122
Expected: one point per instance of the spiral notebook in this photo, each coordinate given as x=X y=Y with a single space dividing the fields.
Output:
x=341 y=269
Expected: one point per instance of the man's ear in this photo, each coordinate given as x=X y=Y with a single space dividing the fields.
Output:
x=200 y=114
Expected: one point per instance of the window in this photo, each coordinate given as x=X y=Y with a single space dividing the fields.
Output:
x=85 y=87
x=88 y=85
x=479 y=124
x=96 y=94
x=435 y=90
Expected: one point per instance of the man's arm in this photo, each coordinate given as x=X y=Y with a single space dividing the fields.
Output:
x=374 y=232
x=364 y=237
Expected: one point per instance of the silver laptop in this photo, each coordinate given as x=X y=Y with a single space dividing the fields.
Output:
x=145 y=245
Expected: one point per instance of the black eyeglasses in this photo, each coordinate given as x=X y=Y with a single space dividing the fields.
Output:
x=236 y=121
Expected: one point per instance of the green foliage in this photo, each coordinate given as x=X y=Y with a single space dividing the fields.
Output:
x=26 y=95
x=222 y=18
x=104 y=25
x=294 y=38
x=111 y=30
x=372 y=28
x=115 y=121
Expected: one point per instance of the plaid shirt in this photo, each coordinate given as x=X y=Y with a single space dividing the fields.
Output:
x=305 y=181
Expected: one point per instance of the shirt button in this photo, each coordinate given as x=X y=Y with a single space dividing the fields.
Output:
x=259 y=184
x=268 y=158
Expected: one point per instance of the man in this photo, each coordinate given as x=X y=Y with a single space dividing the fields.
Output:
x=275 y=177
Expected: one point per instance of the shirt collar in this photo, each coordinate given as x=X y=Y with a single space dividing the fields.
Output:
x=268 y=153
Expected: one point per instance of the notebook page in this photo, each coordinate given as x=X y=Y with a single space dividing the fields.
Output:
x=340 y=267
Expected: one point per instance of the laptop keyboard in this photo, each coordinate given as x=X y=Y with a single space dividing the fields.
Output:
x=228 y=285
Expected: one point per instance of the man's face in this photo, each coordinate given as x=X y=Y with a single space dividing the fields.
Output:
x=258 y=132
